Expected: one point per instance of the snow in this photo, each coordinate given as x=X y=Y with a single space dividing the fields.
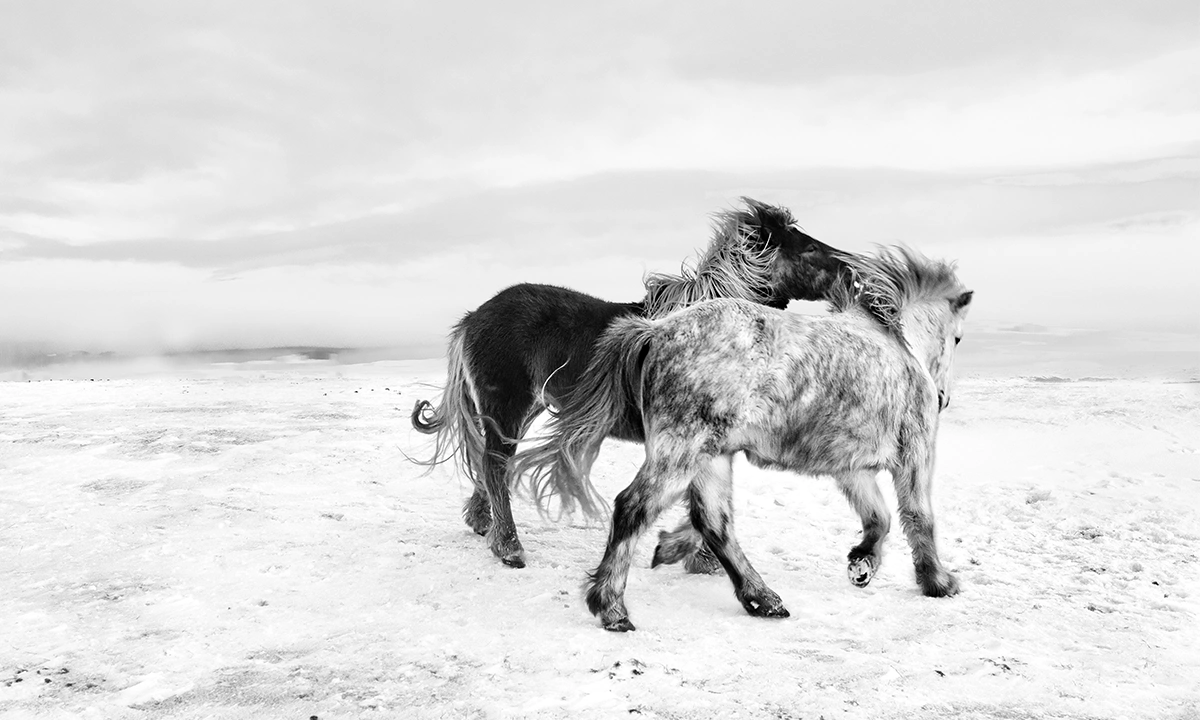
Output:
x=250 y=541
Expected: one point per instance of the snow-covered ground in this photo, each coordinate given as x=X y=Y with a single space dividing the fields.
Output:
x=249 y=541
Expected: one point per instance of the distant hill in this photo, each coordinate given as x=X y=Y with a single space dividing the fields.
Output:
x=26 y=357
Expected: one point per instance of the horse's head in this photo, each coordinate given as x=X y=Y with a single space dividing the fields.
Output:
x=804 y=268
x=943 y=332
x=920 y=301
x=758 y=254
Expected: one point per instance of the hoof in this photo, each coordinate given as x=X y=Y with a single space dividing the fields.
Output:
x=622 y=625
x=685 y=545
x=861 y=571
x=514 y=561
x=477 y=514
x=703 y=562
x=510 y=553
x=768 y=606
x=762 y=611
x=943 y=584
x=671 y=548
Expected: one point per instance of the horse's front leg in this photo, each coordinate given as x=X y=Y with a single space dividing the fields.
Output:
x=711 y=499
x=862 y=490
x=912 y=483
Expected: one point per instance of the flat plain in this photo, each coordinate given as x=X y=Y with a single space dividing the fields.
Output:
x=251 y=540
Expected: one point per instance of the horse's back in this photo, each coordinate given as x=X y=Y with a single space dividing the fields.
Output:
x=799 y=390
x=531 y=333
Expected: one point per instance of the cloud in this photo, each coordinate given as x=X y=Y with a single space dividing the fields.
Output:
x=786 y=43
x=161 y=120
x=343 y=159
x=663 y=215
x=1174 y=168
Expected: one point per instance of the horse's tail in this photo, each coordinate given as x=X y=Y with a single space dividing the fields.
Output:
x=609 y=393
x=455 y=422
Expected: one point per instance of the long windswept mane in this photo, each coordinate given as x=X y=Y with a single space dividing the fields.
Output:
x=883 y=284
x=737 y=264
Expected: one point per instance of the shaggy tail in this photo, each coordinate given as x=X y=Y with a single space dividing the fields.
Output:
x=611 y=387
x=456 y=421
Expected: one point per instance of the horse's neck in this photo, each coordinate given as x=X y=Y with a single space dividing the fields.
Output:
x=723 y=272
x=919 y=326
x=672 y=292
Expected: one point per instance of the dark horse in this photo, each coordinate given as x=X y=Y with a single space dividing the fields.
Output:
x=527 y=347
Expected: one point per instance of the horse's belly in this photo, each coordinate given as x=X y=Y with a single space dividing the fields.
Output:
x=812 y=450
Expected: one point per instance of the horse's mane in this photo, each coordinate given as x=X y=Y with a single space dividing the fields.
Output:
x=884 y=283
x=737 y=264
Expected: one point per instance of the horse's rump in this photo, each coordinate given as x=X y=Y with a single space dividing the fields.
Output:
x=606 y=401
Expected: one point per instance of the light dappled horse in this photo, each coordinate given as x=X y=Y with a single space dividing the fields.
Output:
x=847 y=394
x=529 y=345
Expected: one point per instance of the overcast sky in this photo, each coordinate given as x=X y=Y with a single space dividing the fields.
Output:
x=250 y=173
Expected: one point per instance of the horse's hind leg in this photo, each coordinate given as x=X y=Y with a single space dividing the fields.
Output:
x=710 y=496
x=861 y=489
x=916 y=515
x=502 y=535
x=477 y=510
x=634 y=510
x=505 y=412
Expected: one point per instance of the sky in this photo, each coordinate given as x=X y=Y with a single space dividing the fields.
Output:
x=179 y=176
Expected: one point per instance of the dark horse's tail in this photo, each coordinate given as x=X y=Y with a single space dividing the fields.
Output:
x=456 y=421
x=611 y=386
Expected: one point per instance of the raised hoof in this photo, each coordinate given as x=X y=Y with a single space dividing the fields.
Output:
x=622 y=625
x=671 y=549
x=861 y=571
x=703 y=562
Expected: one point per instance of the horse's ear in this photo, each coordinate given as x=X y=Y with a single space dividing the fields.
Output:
x=962 y=301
